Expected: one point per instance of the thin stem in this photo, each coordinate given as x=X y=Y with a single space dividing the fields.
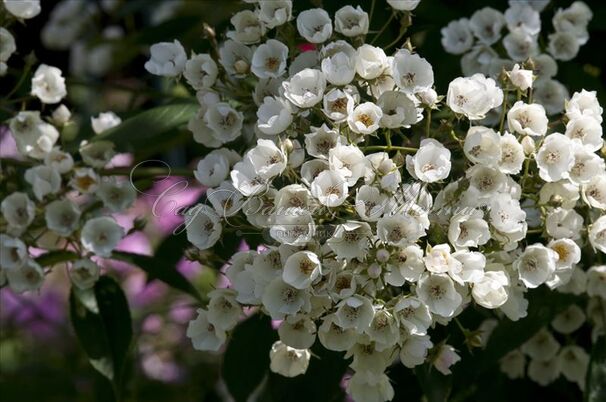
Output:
x=503 y=111
x=391 y=17
x=147 y=172
x=389 y=148
x=396 y=40
x=428 y=124
x=372 y=11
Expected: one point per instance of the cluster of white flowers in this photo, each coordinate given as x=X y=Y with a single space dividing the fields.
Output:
x=479 y=39
x=369 y=249
x=58 y=203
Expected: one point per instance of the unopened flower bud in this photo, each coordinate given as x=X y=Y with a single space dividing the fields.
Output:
x=374 y=270
x=528 y=145
x=61 y=115
x=382 y=255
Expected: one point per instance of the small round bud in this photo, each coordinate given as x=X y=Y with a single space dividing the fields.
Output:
x=374 y=270
x=61 y=115
x=241 y=67
x=382 y=255
x=528 y=145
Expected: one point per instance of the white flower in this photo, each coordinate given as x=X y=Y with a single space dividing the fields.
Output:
x=399 y=230
x=355 y=312
x=339 y=66
x=97 y=153
x=329 y=188
x=280 y=299
x=44 y=180
x=551 y=94
x=117 y=196
x=314 y=25
x=320 y=141
x=597 y=234
x=351 y=21
x=167 y=59
x=542 y=345
x=294 y=226
x=522 y=16
x=224 y=121
x=248 y=27
x=337 y=105
x=545 y=67
x=275 y=12
x=269 y=59
x=413 y=315
x=371 y=61
x=235 y=57
x=246 y=180
x=473 y=267
x=457 y=37
x=398 y=110
x=203 y=334
x=292 y=196
x=201 y=71
x=535 y=265
x=33 y=136
x=529 y=119
x=48 y=84
x=27 y=277
x=213 y=169
x=18 y=211
x=370 y=203
x=563 y=46
x=596 y=281
x=586 y=130
x=62 y=217
x=274 y=115
x=431 y=163
x=468 y=229
x=482 y=145
x=333 y=337
x=298 y=331
x=301 y=269
x=351 y=240
x=491 y=290
x=438 y=292
x=473 y=96
x=8 y=48
x=544 y=371
x=480 y=59
x=584 y=103
x=574 y=363
x=594 y=191
x=569 y=253
x=365 y=118
x=487 y=24
x=563 y=193
x=24 y=9
x=13 y=252
x=512 y=154
x=520 y=78
x=101 y=235
x=445 y=358
x=404 y=5
x=382 y=170
x=574 y=19
x=555 y=158
x=306 y=88
x=508 y=217
x=224 y=311
x=84 y=273
x=287 y=361
x=586 y=165
x=413 y=350
x=266 y=159
x=85 y=180
x=438 y=260
x=349 y=162
x=569 y=320
x=105 y=121
x=362 y=388
x=203 y=226
x=411 y=72
x=520 y=45
x=513 y=364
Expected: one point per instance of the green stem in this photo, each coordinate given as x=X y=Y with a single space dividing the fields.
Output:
x=147 y=172
x=396 y=40
x=391 y=17
x=389 y=148
x=428 y=123
x=503 y=112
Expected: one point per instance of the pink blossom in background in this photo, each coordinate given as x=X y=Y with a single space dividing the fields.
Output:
x=40 y=315
x=121 y=160
x=306 y=47
x=8 y=147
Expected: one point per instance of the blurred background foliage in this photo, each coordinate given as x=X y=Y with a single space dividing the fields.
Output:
x=40 y=358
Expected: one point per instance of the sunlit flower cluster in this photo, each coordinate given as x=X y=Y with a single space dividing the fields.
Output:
x=375 y=233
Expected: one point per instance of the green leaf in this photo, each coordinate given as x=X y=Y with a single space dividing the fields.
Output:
x=141 y=130
x=161 y=267
x=246 y=359
x=596 y=374
x=102 y=322
x=436 y=386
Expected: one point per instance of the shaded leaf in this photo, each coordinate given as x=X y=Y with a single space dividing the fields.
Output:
x=56 y=257
x=139 y=131
x=246 y=360
x=161 y=267
x=102 y=322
